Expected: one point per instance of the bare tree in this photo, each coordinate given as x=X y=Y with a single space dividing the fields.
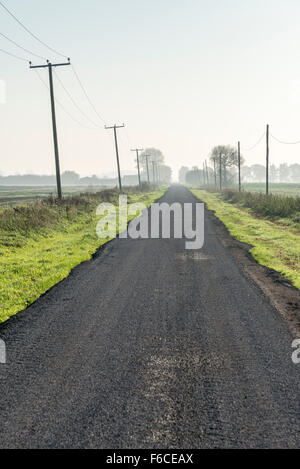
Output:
x=153 y=155
x=228 y=156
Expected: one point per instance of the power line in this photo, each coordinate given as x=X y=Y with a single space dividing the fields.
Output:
x=256 y=144
x=285 y=143
x=86 y=94
x=73 y=100
x=21 y=47
x=51 y=49
x=14 y=56
x=62 y=106
x=29 y=32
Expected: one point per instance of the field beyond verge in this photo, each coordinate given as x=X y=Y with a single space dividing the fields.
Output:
x=40 y=243
x=276 y=242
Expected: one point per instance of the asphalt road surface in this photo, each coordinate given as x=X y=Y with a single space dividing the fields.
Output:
x=151 y=346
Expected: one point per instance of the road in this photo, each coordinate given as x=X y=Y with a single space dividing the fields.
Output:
x=149 y=345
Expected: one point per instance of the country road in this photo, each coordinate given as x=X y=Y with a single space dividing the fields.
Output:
x=150 y=345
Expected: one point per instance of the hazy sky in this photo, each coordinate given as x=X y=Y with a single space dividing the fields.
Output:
x=183 y=75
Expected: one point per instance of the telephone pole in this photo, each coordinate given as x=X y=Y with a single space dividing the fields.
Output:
x=239 y=162
x=267 y=161
x=115 y=127
x=153 y=170
x=157 y=173
x=147 y=165
x=49 y=65
x=220 y=163
x=215 y=173
x=137 y=150
x=206 y=172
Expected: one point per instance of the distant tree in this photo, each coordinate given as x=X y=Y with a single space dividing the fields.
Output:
x=91 y=181
x=273 y=173
x=295 y=172
x=194 y=176
x=70 y=178
x=258 y=173
x=182 y=174
x=247 y=174
x=154 y=155
x=229 y=159
x=165 y=174
x=284 y=172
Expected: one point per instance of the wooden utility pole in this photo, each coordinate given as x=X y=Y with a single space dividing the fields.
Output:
x=115 y=127
x=267 y=161
x=49 y=65
x=220 y=170
x=157 y=173
x=153 y=170
x=215 y=173
x=207 y=178
x=137 y=150
x=147 y=165
x=239 y=163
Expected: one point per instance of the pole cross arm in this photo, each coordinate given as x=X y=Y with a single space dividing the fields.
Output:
x=50 y=64
x=114 y=127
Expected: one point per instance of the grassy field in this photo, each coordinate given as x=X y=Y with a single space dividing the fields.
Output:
x=272 y=206
x=41 y=242
x=13 y=195
x=276 y=242
x=289 y=189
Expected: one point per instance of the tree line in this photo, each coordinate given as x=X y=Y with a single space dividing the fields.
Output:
x=224 y=160
x=161 y=174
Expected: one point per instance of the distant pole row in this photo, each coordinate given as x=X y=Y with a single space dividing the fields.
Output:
x=115 y=127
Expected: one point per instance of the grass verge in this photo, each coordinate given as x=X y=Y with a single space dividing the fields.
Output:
x=276 y=244
x=41 y=243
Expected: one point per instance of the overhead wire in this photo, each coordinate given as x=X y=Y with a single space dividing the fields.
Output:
x=256 y=144
x=30 y=32
x=283 y=142
x=41 y=57
x=14 y=56
x=62 y=106
x=73 y=100
x=86 y=94
x=21 y=47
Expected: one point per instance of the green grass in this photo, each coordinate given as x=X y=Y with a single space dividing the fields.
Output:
x=276 y=244
x=272 y=206
x=42 y=242
x=275 y=188
x=14 y=195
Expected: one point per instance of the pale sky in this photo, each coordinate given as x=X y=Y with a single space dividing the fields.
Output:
x=183 y=75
